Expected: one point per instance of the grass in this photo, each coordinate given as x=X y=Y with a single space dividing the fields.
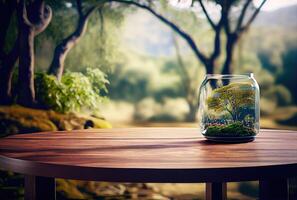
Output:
x=236 y=129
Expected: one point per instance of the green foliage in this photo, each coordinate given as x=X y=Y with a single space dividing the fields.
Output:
x=235 y=129
x=288 y=77
x=98 y=80
x=168 y=92
x=271 y=57
x=163 y=117
x=279 y=94
x=75 y=91
x=130 y=86
x=231 y=98
x=100 y=44
x=98 y=47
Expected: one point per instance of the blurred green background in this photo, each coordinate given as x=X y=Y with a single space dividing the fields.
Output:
x=131 y=69
x=139 y=55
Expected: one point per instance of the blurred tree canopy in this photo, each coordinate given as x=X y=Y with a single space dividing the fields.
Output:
x=202 y=40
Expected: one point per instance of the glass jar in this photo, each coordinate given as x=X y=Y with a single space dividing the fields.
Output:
x=229 y=108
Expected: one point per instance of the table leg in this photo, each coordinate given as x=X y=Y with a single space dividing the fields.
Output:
x=37 y=187
x=216 y=191
x=273 y=189
x=292 y=184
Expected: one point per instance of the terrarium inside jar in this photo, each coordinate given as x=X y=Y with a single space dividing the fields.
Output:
x=229 y=108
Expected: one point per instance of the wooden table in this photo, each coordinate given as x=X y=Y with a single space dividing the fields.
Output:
x=176 y=155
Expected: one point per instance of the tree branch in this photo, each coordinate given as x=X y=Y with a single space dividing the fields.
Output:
x=207 y=15
x=63 y=48
x=174 y=27
x=6 y=71
x=230 y=112
x=225 y=17
x=38 y=15
x=101 y=17
x=79 y=8
x=36 y=7
x=44 y=21
x=242 y=14
x=90 y=11
x=217 y=40
x=22 y=13
x=252 y=17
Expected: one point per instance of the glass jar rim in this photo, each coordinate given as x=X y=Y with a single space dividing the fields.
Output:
x=229 y=76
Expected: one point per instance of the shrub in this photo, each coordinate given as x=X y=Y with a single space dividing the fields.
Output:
x=74 y=92
x=98 y=80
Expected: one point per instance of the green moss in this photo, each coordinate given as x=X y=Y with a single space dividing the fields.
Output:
x=236 y=129
x=17 y=119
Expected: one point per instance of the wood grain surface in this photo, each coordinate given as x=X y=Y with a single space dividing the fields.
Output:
x=149 y=155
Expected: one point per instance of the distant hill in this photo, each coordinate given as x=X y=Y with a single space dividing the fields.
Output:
x=283 y=17
x=145 y=34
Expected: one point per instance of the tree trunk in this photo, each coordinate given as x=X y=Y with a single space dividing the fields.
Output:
x=26 y=92
x=6 y=10
x=6 y=72
x=231 y=41
x=210 y=70
x=7 y=60
x=57 y=66
x=209 y=67
x=61 y=51
x=40 y=16
x=234 y=117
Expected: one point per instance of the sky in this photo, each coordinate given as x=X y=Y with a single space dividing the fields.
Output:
x=269 y=5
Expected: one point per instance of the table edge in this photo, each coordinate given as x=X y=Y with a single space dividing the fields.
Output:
x=154 y=175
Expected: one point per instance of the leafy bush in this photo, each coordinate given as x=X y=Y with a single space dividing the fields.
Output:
x=74 y=92
x=98 y=80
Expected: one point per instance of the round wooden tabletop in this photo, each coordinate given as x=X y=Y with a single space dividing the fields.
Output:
x=149 y=155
